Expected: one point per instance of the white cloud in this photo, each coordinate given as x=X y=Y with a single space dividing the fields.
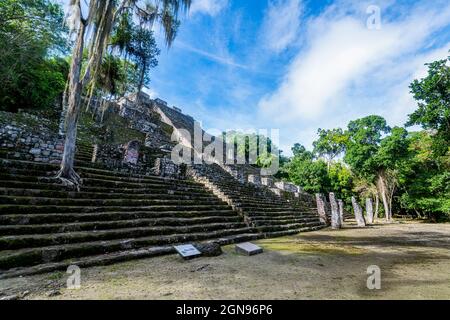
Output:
x=341 y=56
x=225 y=60
x=209 y=7
x=281 y=24
x=400 y=102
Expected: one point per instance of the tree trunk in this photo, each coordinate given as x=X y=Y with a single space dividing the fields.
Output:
x=62 y=119
x=67 y=173
x=142 y=77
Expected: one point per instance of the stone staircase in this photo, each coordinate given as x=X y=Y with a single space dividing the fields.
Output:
x=84 y=152
x=260 y=207
x=114 y=217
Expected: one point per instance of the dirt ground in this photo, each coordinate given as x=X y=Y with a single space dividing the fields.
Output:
x=414 y=259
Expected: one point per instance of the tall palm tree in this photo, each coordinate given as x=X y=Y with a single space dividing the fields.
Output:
x=96 y=27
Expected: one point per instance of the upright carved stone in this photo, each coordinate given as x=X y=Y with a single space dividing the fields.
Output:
x=321 y=208
x=369 y=210
x=341 y=211
x=335 y=218
x=358 y=213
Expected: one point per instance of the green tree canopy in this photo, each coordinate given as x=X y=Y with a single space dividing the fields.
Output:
x=432 y=94
x=364 y=139
x=32 y=35
x=305 y=171
x=330 y=144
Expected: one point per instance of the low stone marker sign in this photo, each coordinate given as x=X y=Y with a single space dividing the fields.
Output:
x=248 y=249
x=187 y=251
x=358 y=213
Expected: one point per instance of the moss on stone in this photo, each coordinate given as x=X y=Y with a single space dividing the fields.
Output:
x=290 y=245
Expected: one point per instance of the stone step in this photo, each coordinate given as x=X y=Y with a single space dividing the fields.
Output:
x=142 y=179
x=10 y=156
x=284 y=233
x=17 y=200
x=84 y=151
x=115 y=257
x=42 y=240
x=269 y=222
x=156 y=188
x=33 y=175
x=289 y=211
x=120 y=184
x=29 y=229
x=158 y=194
x=84 y=158
x=49 y=218
x=263 y=208
x=172 y=187
x=35 y=209
x=293 y=226
x=33 y=256
x=284 y=217
x=256 y=201
x=267 y=204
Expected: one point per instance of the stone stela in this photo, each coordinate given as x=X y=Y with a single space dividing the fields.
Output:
x=358 y=213
x=132 y=152
x=321 y=208
x=335 y=217
x=188 y=251
x=248 y=249
x=341 y=211
x=369 y=211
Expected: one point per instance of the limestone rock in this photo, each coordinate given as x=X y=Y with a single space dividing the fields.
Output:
x=11 y=297
x=53 y=293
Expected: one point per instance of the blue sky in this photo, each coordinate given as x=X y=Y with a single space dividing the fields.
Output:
x=299 y=65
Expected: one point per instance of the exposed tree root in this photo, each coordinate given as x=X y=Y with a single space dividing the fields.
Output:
x=72 y=179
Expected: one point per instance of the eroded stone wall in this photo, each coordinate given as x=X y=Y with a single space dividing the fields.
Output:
x=22 y=143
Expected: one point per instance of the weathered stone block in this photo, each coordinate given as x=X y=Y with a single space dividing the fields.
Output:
x=35 y=151
x=248 y=249
x=211 y=249
x=267 y=181
x=166 y=168
x=187 y=251
x=255 y=179
x=286 y=186
x=277 y=191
